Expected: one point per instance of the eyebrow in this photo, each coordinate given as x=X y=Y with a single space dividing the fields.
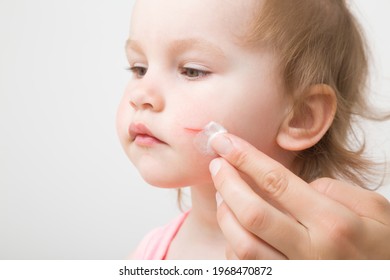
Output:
x=182 y=45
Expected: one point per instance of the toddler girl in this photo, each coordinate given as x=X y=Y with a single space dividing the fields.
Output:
x=286 y=76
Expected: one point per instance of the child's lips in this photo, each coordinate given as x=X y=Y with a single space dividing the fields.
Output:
x=146 y=140
x=141 y=135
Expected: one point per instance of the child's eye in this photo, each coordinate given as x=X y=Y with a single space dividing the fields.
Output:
x=138 y=71
x=194 y=74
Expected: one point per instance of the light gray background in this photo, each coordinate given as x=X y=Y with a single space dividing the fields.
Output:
x=67 y=191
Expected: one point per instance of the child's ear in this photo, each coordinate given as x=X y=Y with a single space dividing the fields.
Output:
x=307 y=123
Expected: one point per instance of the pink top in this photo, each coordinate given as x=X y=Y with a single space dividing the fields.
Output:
x=155 y=245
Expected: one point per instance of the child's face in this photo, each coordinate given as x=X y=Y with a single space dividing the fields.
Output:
x=191 y=69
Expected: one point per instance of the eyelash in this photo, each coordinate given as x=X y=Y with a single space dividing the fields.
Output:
x=136 y=71
x=201 y=73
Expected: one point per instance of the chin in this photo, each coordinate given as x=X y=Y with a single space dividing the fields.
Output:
x=173 y=179
x=168 y=172
x=163 y=181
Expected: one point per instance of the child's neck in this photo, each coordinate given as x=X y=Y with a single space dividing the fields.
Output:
x=200 y=236
x=204 y=207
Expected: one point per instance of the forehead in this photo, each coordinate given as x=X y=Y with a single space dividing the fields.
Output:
x=191 y=18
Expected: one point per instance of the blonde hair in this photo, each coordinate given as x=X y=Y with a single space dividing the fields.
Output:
x=320 y=42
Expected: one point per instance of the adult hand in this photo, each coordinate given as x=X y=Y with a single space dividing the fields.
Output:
x=285 y=217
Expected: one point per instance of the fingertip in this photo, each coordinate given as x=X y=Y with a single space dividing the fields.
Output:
x=221 y=144
x=215 y=166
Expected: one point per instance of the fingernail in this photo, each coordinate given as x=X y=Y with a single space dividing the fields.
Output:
x=222 y=144
x=215 y=166
x=218 y=199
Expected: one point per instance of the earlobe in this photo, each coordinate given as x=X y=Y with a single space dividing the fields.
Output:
x=308 y=122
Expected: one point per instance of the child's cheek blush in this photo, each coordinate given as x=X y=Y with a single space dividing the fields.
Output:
x=203 y=139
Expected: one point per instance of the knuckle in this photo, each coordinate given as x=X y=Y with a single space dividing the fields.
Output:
x=340 y=242
x=275 y=181
x=342 y=231
x=253 y=217
x=246 y=251
x=379 y=203
x=240 y=158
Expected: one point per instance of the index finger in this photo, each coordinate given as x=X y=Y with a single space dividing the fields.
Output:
x=289 y=191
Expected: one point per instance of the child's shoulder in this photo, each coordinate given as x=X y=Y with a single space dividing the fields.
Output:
x=155 y=244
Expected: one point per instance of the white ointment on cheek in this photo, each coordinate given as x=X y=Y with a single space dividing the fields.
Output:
x=203 y=139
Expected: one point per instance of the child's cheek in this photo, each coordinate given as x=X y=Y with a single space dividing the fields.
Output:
x=196 y=110
x=186 y=128
x=122 y=117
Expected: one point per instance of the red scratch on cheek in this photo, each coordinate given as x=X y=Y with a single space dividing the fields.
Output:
x=193 y=130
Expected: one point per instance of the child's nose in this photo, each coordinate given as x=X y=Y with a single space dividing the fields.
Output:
x=147 y=98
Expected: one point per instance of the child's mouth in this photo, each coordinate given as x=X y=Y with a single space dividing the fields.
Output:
x=142 y=136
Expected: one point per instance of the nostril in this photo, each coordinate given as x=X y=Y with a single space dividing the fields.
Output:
x=133 y=105
x=147 y=106
x=141 y=106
